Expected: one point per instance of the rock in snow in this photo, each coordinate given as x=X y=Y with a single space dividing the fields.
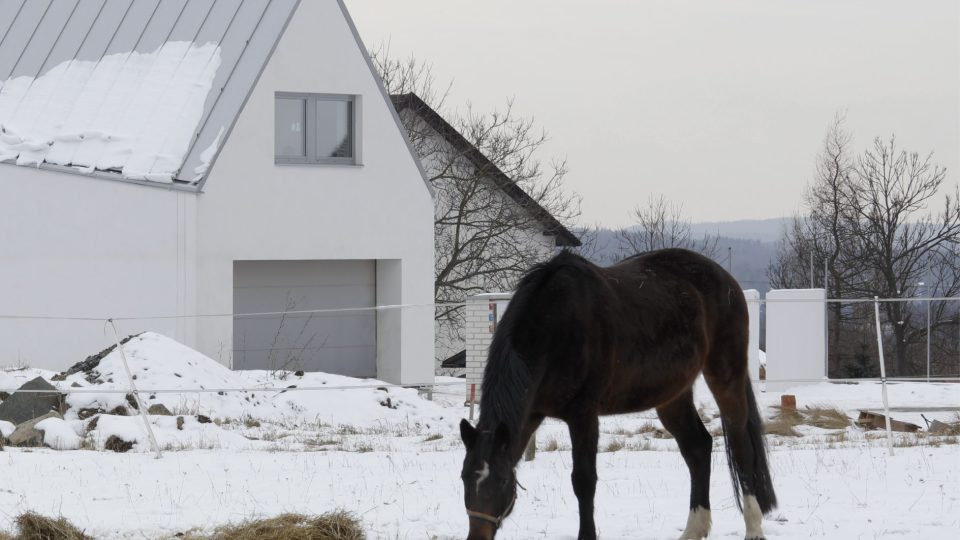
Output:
x=23 y=406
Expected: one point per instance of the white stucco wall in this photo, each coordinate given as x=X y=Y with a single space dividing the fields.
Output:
x=796 y=336
x=253 y=209
x=753 y=353
x=84 y=247
x=88 y=247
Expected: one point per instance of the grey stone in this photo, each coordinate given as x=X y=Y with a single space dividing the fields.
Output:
x=27 y=434
x=89 y=412
x=943 y=428
x=23 y=406
x=159 y=409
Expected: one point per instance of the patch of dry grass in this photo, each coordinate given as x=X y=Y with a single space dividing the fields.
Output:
x=826 y=417
x=662 y=434
x=32 y=526
x=643 y=446
x=646 y=427
x=784 y=423
x=837 y=437
x=337 y=525
x=552 y=445
x=613 y=446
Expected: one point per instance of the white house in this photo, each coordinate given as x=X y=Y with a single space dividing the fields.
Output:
x=191 y=160
x=448 y=158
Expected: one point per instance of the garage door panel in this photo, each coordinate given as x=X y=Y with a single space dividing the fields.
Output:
x=304 y=298
x=298 y=273
x=340 y=342
x=339 y=331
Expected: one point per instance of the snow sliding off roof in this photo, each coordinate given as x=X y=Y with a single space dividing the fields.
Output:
x=142 y=89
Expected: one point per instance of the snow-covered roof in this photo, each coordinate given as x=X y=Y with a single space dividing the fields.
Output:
x=138 y=89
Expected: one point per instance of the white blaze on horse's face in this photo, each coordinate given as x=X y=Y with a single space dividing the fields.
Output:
x=482 y=475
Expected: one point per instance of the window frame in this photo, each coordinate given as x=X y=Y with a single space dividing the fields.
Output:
x=310 y=129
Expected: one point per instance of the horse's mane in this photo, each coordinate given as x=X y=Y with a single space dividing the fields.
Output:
x=507 y=376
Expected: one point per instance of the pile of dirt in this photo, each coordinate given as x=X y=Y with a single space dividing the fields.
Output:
x=158 y=362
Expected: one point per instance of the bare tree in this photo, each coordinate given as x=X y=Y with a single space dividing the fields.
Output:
x=493 y=191
x=661 y=224
x=818 y=249
x=869 y=232
x=822 y=235
x=899 y=240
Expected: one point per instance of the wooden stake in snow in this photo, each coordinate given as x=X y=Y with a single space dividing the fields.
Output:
x=473 y=395
x=136 y=393
x=788 y=402
x=883 y=374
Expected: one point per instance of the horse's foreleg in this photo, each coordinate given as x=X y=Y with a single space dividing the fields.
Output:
x=584 y=433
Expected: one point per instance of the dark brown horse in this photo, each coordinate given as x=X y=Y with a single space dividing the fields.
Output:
x=579 y=341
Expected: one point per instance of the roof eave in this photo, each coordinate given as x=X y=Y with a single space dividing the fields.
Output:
x=176 y=185
x=564 y=238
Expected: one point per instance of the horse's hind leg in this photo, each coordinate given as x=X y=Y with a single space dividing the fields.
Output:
x=681 y=419
x=726 y=375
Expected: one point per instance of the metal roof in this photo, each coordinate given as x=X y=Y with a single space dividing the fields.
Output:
x=70 y=42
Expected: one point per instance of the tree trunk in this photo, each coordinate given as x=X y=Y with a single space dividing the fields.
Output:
x=900 y=348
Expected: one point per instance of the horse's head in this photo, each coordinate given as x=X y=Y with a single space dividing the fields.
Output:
x=489 y=479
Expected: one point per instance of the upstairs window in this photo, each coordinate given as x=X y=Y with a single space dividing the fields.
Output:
x=315 y=129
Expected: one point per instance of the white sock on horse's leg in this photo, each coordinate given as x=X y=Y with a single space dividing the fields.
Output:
x=753 y=517
x=698 y=524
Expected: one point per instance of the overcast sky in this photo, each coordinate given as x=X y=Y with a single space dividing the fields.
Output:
x=718 y=105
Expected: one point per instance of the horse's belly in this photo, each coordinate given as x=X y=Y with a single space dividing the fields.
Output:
x=630 y=394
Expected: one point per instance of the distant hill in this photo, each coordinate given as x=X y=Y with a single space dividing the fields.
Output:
x=765 y=230
x=753 y=244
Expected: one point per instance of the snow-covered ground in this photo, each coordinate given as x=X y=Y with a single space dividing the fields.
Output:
x=394 y=458
x=416 y=492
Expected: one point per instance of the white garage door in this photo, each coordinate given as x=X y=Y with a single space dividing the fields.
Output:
x=343 y=342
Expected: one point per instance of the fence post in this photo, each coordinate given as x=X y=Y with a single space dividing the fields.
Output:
x=136 y=393
x=883 y=375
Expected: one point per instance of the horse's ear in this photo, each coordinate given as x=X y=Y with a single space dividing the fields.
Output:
x=468 y=434
x=501 y=437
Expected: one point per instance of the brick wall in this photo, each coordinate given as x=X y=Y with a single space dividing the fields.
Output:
x=482 y=312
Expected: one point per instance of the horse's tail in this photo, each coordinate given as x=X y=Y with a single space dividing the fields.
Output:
x=759 y=470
